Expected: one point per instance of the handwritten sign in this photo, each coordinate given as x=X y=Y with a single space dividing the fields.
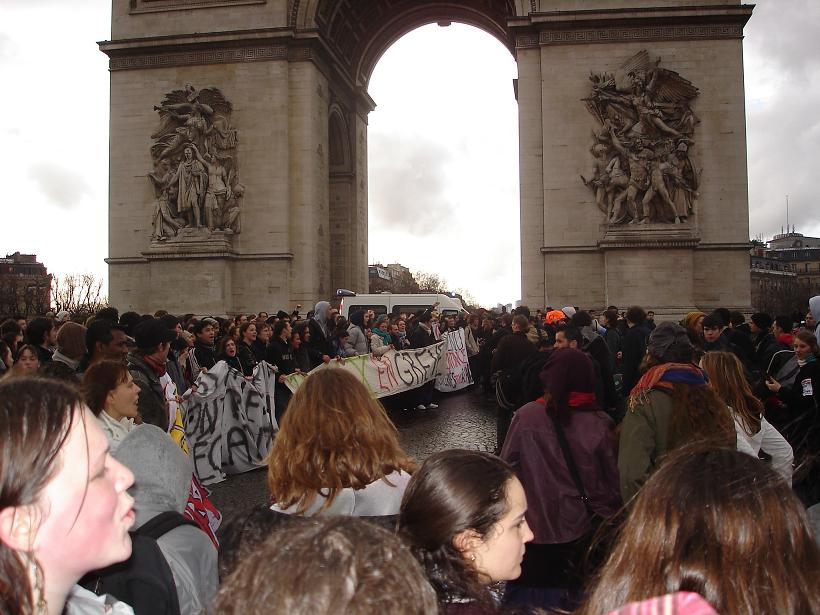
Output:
x=458 y=373
x=229 y=421
x=393 y=372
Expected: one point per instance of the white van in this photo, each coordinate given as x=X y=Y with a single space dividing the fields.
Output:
x=388 y=303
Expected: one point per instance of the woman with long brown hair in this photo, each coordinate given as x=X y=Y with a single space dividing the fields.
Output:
x=714 y=522
x=337 y=451
x=727 y=378
x=671 y=405
x=463 y=516
x=64 y=506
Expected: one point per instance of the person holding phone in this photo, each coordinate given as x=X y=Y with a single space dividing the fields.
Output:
x=803 y=428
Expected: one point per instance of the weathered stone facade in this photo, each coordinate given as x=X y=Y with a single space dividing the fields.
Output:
x=296 y=74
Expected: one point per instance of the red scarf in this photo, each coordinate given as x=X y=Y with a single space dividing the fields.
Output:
x=159 y=368
x=577 y=399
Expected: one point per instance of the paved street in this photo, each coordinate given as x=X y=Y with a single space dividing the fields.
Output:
x=463 y=420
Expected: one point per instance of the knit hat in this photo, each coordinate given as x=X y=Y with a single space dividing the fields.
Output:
x=71 y=340
x=554 y=316
x=666 y=335
x=569 y=311
x=62 y=316
x=691 y=318
x=762 y=320
x=567 y=370
x=162 y=471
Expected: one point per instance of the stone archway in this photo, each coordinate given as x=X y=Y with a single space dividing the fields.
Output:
x=294 y=75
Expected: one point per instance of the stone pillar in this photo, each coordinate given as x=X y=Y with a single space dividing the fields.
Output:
x=531 y=173
x=308 y=182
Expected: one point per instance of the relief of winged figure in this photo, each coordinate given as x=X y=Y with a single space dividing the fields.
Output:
x=643 y=171
x=195 y=170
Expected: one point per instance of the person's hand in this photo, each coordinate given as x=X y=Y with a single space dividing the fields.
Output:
x=282 y=379
x=325 y=358
x=619 y=355
x=391 y=347
x=772 y=384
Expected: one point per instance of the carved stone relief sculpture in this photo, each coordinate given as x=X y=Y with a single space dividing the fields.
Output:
x=643 y=170
x=195 y=176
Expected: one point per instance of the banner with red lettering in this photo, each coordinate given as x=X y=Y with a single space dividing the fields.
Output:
x=458 y=373
x=393 y=372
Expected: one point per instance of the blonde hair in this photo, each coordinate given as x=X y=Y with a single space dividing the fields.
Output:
x=727 y=379
x=334 y=435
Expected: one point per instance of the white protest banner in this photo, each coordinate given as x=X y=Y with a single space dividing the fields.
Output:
x=458 y=373
x=393 y=372
x=229 y=421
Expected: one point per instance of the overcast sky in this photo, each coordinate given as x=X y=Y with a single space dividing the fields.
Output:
x=443 y=149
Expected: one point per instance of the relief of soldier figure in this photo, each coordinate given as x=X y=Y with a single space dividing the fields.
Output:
x=195 y=176
x=642 y=171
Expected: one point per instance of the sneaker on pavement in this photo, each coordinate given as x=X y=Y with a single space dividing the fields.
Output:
x=432 y=406
x=421 y=407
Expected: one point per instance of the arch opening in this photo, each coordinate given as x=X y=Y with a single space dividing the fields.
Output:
x=443 y=160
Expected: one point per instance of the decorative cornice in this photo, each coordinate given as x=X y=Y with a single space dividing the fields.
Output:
x=125 y=260
x=630 y=25
x=254 y=53
x=138 y=7
x=649 y=33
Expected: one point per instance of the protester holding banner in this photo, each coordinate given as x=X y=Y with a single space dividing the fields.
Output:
x=337 y=452
x=244 y=347
x=381 y=341
x=203 y=354
x=423 y=336
x=280 y=355
x=147 y=366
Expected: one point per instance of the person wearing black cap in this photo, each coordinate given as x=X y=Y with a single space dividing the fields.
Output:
x=671 y=405
x=763 y=339
x=148 y=366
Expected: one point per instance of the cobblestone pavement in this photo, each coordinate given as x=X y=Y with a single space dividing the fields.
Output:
x=465 y=419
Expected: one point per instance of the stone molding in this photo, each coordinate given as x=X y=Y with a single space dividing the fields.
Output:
x=250 y=53
x=650 y=33
x=155 y=6
x=630 y=25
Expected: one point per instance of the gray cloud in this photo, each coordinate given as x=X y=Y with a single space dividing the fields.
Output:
x=7 y=47
x=785 y=33
x=784 y=129
x=408 y=184
x=63 y=187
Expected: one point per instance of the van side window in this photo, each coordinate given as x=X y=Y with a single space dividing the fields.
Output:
x=377 y=309
x=408 y=309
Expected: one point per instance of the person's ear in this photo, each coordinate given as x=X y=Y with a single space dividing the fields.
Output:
x=18 y=527
x=466 y=542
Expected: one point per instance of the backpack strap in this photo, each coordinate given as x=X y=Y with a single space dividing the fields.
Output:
x=570 y=461
x=162 y=524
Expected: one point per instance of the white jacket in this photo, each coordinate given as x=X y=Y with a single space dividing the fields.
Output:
x=770 y=440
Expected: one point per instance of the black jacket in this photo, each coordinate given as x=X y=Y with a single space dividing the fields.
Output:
x=280 y=354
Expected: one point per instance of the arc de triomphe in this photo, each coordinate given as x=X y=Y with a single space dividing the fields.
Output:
x=238 y=148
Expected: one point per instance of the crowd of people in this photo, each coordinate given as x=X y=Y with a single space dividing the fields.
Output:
x=669 y=467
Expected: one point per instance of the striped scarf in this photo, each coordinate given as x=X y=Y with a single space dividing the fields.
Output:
x=665 y=377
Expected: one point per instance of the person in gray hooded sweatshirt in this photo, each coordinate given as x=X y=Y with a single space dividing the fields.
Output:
x=162 y=473
x=814 y=308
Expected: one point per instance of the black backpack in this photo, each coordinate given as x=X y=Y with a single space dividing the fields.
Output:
x=519 y=385
x=144 y=581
